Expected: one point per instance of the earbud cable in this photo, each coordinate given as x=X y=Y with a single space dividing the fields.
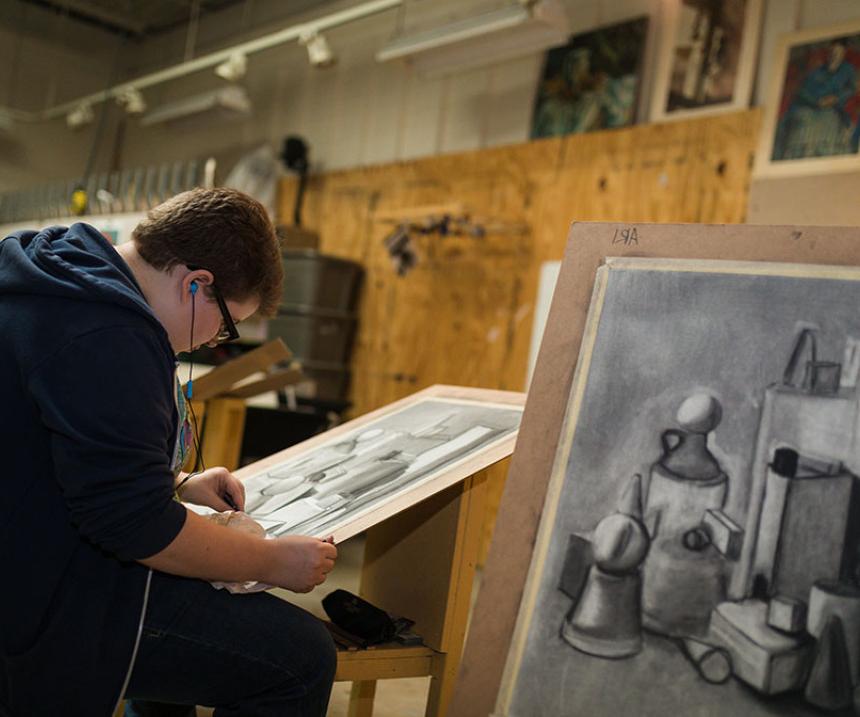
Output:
x=189 y=393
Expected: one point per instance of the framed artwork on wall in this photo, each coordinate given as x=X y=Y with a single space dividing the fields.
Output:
x=812 y=114
x=698 y=548
x=591 y=83
x=707 y=57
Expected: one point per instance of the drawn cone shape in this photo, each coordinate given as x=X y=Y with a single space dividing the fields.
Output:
x=631 y=500
x=829 y=686
x=606 y=622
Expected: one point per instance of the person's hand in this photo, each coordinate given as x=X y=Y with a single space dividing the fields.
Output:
x=828 y=101
x=300 y=563
x=216 y=488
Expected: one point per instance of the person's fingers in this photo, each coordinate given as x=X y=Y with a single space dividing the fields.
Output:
x=219 y=504
x=237 y=496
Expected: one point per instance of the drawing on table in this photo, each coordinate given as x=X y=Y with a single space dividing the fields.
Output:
x=700 y=544
x=315 y=493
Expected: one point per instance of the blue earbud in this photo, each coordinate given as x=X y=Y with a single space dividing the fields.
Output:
x=193 y=288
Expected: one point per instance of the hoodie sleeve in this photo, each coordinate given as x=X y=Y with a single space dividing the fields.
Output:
x=107 y=399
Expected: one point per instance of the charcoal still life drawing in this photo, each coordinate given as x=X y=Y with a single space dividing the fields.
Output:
x=699 y=548
x=334 y=487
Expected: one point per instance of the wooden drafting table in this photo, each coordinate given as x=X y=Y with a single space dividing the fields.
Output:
x=420 y=563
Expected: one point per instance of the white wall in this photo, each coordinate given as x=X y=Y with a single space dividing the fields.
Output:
x=356 y=113
x=45 y=60
x=364 y=112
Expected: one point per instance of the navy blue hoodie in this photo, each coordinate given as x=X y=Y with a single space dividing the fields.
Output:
x=88 y=428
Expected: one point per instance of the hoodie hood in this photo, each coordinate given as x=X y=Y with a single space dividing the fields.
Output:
x=75 y=263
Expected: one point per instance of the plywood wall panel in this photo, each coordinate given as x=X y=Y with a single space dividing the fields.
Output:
x=464 y=314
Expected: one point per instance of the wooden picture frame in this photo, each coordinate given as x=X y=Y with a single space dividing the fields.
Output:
x=682 y=87
x=368 y=469
x=802 y=132
x=588 y=245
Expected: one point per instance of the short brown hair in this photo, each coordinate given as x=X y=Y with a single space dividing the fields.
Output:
x=222 y=230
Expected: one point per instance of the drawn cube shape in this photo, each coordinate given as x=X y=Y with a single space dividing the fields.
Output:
x=786 y=614
x=726 y=535
x=768 y=660
x=577 y=562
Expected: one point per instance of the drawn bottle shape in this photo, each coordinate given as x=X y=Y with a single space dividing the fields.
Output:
x=683 y=576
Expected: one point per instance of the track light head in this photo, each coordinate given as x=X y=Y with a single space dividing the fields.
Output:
x=80 y=116
x=319 y=51
x=233 y=68
x=132 y=100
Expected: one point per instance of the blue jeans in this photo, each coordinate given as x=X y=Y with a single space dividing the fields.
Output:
x=249 y=655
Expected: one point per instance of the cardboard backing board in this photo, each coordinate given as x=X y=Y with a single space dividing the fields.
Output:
x=501 y=590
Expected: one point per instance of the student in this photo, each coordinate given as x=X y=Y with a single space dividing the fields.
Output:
x=105 y=573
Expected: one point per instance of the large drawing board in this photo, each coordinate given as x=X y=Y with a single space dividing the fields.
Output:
x=369 y=469
x=589 y=244
x=712 y=337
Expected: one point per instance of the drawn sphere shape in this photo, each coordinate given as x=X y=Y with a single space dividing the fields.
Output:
x=699 y=413
x=620 y=543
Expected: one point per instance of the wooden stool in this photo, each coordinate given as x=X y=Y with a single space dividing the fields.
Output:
x=420 y=564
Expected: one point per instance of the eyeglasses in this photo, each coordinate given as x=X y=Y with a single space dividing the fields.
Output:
x=228 y=330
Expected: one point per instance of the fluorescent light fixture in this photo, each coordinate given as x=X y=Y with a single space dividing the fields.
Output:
x=229 y=102
x=503 y=34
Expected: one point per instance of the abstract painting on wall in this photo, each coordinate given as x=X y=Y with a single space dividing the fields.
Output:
x=699 y=548
x=592 y=82
x=812 y=122
x=707 y=60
